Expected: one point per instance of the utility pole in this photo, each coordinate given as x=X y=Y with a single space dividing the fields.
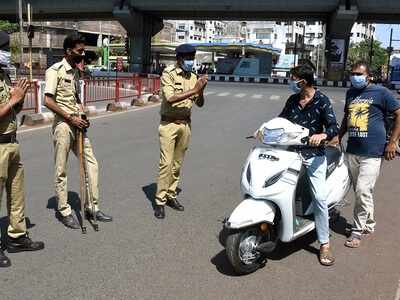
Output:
x=29 y=10
x=371 y=51
x=389 y=49
x=21 y=32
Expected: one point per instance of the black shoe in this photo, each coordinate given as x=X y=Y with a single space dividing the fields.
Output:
x=23 y=243
x=100 y=216
x=69 y=221
x=4 y=260
x=173 y=203
x=159 y=211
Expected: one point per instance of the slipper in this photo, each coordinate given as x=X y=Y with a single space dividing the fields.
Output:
x=353 y=242
x=326 y=257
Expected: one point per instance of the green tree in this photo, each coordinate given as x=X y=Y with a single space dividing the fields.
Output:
x=8 y=26
x=361 y=51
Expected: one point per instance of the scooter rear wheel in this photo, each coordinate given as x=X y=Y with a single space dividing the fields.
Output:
x=241 y=250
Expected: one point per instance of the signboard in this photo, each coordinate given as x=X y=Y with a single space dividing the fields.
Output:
x=120 y=64
x=337 y=51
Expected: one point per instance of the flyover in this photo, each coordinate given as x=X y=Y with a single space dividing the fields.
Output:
x=143 y=18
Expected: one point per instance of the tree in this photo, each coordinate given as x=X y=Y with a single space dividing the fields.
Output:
x=361 y=51
x=8 y=26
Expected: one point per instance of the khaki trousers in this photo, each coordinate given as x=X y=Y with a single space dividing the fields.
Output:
x=12 y=179
x=364 y=173
x=174 y=141
x=64 y=140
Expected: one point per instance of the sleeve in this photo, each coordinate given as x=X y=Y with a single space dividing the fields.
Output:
x=167 y=85
x=391 y=103
x=346 y=101
x=331 y=126
x=51 y=82
x=285 y=112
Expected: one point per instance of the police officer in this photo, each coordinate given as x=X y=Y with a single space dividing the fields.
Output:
x=11 y=168
x=62 y=98
x=180 y=88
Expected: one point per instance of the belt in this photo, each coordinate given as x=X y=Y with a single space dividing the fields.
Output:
x=175 y=120
x=8 y=138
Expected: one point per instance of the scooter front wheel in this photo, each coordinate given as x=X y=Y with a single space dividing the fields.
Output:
x=241 y=249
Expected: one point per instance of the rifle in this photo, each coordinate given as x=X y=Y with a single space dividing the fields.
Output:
x=86 y=195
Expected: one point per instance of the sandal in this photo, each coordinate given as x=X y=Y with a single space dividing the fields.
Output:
x=353 y=242
x=326 y=257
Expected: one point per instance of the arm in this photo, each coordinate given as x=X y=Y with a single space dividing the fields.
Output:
x=16 y=99
x=392 y=105
x=200 y=98
x=329 y=122
x=168 y=89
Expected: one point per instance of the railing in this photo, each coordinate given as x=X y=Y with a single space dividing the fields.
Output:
x=97 y=90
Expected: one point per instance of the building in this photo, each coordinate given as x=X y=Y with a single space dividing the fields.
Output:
x=198 y=31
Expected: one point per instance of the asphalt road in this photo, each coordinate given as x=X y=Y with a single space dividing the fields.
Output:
x=181 y=257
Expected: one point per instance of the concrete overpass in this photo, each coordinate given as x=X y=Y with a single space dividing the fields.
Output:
x=143 y=18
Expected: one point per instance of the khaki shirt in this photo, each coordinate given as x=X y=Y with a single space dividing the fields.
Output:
x=175 y=81
x=8 y=124
x=62 y=83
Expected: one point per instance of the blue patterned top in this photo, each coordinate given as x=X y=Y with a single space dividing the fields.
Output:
x=318 y=116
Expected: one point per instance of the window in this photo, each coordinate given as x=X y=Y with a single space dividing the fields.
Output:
x=191 y=27
x=289 y=35
x=358 y=34
x=181 y=37
x=191 y=37
x=310 y=23
x=245 y=65
x=320 y=35
x=182 y=27
x=263 y=36
x=275 y=36
x=278 y=23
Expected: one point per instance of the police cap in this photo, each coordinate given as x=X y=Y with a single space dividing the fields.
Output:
x=185 y=49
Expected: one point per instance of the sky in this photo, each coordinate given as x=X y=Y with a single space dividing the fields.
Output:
x=383 y=34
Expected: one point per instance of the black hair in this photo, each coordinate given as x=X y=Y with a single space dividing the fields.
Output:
x=72 y=40
x=360 y=63
x=304 y=72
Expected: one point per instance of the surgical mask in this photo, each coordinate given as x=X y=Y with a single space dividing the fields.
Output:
x=359 y=81
x=294 y=86
x=187 y=65
x=5 y=58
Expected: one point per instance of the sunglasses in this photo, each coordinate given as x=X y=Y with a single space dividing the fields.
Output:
x=357 y=74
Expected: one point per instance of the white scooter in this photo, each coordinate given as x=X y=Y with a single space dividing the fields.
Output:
x=277 y=203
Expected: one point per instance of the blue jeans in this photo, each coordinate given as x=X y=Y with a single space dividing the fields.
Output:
x=316 y=171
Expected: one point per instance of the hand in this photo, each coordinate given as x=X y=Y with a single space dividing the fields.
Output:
x=335 y=141
x=201 y=84
x=19 y=91
x=390 y=151
x=78 y=122
x=316 y=139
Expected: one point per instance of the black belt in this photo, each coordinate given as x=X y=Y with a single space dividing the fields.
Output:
x=8 y=138
x=176 y=120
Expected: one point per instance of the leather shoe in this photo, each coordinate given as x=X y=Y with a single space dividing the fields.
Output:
x=69 y=221
x=173 y=203
x=23 y=243
x=159 y=211
x=100 y=216
x=4 y=260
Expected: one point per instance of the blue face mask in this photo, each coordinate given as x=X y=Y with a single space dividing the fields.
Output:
x=359 y=81
x=294 y=86
x=187 y=65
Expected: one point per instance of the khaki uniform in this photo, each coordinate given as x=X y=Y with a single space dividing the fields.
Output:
x=62 y=84
x=11 y=169
x=174 y=136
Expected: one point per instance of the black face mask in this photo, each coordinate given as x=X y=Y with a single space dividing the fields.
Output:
x=76 y=58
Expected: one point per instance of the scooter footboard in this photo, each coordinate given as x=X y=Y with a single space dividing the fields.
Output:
x=250 y=212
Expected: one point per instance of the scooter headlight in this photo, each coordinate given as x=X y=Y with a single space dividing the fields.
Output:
x=272 y=136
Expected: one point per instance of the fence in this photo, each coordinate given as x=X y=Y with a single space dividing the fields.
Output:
x=97 y=90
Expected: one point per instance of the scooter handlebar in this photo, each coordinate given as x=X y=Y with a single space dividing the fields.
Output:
x=306 y=141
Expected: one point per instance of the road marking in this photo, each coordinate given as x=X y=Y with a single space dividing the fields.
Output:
x=257 y=96
x=223 y=94
x=240 y=95
x=209 y=93
x=94 y=118
x=397 y=297
x=275 y=98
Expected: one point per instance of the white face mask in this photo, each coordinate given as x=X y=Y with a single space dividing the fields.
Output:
x=5 y=58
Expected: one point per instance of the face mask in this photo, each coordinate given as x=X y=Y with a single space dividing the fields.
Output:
x=294 y=86
x=5 y=58
x=359 y=81
x=187 y=65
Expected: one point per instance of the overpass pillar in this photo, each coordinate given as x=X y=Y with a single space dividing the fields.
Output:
x=338 y=31
x=140 y=28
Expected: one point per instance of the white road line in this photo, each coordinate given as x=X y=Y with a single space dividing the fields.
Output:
x=240 y=95
x=275 y=97
x=397 y=297
x=93 y=118
x=209 y=93
x=223 y=94
x=257 y=96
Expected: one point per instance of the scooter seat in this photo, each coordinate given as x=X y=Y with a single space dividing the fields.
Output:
x=333 y=156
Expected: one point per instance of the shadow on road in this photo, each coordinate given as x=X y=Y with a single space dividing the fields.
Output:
x=340 y=226
x=4 y=225
x=150 y=191
x=73 y=201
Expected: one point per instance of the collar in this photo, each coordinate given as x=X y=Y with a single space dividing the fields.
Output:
x=66 y=65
